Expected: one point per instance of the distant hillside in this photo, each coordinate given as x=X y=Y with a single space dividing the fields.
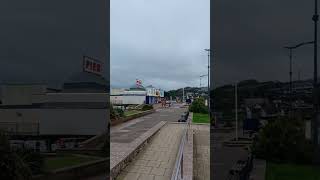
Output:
x=179 y=92
x=224 y=95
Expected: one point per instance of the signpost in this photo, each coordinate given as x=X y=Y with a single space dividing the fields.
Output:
x=92 y=65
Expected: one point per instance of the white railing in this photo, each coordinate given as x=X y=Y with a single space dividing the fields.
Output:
x=178 y=168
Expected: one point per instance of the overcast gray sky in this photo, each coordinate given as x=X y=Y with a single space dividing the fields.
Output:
x=249 y=36
x=160 y=42
x=44 y=41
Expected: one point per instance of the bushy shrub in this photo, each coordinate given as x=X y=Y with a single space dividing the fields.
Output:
x=113 y=114
x=116 y=113
x=198 y=106
x=147 y=107
x=283 y=141
x=18 y=164
x=119 y=112
x=33 y=160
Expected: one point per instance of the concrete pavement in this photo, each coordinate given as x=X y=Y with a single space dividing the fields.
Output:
x=259 y=169
x=131 y=130
x=201 y=168
x=156 y=161
x=128 y=138
x=224 y=158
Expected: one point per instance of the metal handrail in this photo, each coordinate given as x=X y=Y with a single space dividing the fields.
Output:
x=178 y=168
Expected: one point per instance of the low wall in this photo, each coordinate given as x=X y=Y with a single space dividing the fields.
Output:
x=95 y=142
x=133 y=116
x=77 y=172
x=117 y=164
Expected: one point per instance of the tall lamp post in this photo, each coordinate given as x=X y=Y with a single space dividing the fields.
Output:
x=314 y=126
x=290 y=70
x=209 y=54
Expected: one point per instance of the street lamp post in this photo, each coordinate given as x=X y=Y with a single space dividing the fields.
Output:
x=314 y=125
x=290 y=71
x=236 y=107
x=209 y=54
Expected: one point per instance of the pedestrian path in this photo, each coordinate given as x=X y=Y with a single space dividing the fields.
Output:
x=224 y=158
x=201 y=170
x=156 y=161
x=259 y=169
x=128 y=138
x=131 y=130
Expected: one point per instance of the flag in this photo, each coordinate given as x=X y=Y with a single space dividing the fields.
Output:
x=138 y=82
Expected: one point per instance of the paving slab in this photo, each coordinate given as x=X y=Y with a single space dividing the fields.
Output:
x=224 y=158
x=157 y=159
x=129 y=131
x=121 y=153
x=128 y=139
x=259 y=169
x=201 y=167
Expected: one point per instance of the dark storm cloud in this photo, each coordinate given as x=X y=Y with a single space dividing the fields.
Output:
x=249 y=36
x=45 y=40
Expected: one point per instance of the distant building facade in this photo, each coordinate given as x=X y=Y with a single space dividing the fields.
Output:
x=136 y=94
x=30 y=109
x=151 y=97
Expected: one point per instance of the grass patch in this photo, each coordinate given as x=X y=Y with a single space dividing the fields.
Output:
x=53 y=163
x=291 y=172
x=131 y=112
x=200 y=118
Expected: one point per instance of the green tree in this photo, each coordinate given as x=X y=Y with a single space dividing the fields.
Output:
x=198 y=106
x=18 y=164
x=11 y=165
x=113 y=114
x=119 y=112
x=283 y=140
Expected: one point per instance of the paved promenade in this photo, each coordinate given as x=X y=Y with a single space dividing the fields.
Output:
x=131 y=130
x=128 y=137
x=156 y=161
x=201 y=168
x=224 y=158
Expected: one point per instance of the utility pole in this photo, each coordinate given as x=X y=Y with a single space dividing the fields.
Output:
x=236 y=108
x=314 y=124
x=209 y=53
x=290 y=90
x=183 y=95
